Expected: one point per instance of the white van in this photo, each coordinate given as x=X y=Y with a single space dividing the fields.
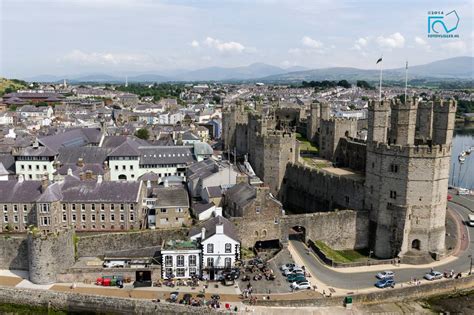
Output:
x=470 y=222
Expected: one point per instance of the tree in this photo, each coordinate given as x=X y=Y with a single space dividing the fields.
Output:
x=142 y=134
x=344 y=84
x=364 y=85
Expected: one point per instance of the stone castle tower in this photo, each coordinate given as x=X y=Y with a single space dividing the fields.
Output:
x=312 y=125
x=407 y=171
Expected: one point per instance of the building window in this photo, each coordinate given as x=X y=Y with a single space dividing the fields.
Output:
x=228 y=262
x=83 y=218
x=180 y=261
x=132 y=217
x=112 y=217
x=257 y=210
x=192 y=272
x=5 y=218
x=83 y=207
x=102 y=217
x=44 y=208
x=210 y=248
x=116 y=167
x=93 y=206
x=73 y=217
x=347 y=199
x=180 y=272
x=228 y=247
x=393 y=194
x=163 y=210
x=25 y=219
x=210 y=262
x=45 y=221
x=179 y=210
x=15 y=208
x=102 y=207
x=64 y=206
x=112 y=206
x=122 y=207
x=5 y=208
x=168 y=261
x=15 y=219
x=122 y=218
x=394 y=168
x=74 y=207
x=64 y=216
x=132 y=206
x=192 y=260
x=93 y=217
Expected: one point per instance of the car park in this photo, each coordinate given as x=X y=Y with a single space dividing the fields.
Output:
x=385 y=283
x=385 y=274
x=433 y=275
x=301 y=285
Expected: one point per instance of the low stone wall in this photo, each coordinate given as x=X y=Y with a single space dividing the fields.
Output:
x=73 y=302
x=13 y=252
x=98 y=244
x=384 y=295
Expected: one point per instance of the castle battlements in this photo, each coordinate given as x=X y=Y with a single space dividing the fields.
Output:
x=445 y=106
x=379 y=105
x=325 y=175
x=414 y=151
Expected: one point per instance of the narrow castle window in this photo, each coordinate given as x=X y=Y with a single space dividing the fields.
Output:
x=393 y=194
x=394 y=168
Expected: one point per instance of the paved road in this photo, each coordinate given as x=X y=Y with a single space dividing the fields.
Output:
x=362 y=280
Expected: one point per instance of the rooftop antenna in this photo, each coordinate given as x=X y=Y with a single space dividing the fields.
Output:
x=126 y=81
x=380 y=85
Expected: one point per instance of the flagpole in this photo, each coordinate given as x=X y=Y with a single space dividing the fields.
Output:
x=406 y=81
x=380 y=85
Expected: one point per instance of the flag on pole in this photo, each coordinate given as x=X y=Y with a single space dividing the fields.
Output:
x=406 y=67
x=380 y=60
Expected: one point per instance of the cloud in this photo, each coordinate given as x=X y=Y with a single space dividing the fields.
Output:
x=422 y=43
x=195 y=44
x=361 y=43
x=311 y=43
x=224 y=47
x=396 y=40
x=456 y=47
x=106 y=58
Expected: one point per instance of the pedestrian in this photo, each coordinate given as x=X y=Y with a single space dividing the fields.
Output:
x=324 y=292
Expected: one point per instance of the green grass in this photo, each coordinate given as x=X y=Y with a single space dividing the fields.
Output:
x=305 y=145
x=341 y=256
x=315 y=163
x=247 y=253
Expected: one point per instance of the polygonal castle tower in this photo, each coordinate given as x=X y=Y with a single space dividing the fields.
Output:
x=407 y=172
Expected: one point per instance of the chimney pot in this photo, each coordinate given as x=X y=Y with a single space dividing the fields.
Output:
x=203 y=233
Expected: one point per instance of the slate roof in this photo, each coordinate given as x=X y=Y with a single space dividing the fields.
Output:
x=13 y=191
x=37 y=151
x=202 y=148
x=8 y=162
x=171 y=197
x=88 y=154
x=241 y=194
x=210 y=226
x=74 y=190
x=214 y=191
x=128 y=148
x=199 y=207
x=72 y=138
x=166 y=155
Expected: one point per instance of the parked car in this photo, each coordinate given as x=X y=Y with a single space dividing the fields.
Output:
x=293 y=270
x=298 y=277
x=301 y=285
x=433 y=275
x=114 y=264
x=385 y=283
x=385 y=274
x=287 y=266
x=173 y=297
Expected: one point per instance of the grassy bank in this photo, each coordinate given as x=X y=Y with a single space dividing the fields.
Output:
x=341 y=256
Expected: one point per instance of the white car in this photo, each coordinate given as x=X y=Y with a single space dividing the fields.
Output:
x=293 y=270
x=287 y=266
x=385 y=274
x=114 y=264
x=433 y=275
x=301 y=285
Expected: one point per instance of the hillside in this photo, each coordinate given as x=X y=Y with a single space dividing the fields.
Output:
x=11 y=85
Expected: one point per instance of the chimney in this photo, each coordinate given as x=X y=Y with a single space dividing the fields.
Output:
x=165 y=184
x=219 y=228
x=203 y=233
x=82 y=176
x=148 y=184
x=106 y=165
x=44 y=183
x=21 y=179
x=69 y=171
x=99 y=179
x=80 y=162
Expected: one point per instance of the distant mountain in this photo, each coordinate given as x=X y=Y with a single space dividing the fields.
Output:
x=253 y=71
x=453 y=68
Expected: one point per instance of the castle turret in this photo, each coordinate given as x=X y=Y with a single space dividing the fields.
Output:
x=313 y=121
x=325 y=111
x=443 y=121
x=378 y=121
x=403 y=121
x=424 y=121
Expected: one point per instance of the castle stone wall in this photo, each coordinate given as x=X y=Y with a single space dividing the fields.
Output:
x=13 y=252
x=49 y=254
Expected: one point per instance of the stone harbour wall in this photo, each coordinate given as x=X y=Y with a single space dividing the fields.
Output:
x=13 y=252
x=98 y=244
x=73 y=302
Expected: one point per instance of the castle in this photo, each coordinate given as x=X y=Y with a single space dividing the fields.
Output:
x=398 y=175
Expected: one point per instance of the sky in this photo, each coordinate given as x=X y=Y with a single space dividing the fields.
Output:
x=67 y=37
